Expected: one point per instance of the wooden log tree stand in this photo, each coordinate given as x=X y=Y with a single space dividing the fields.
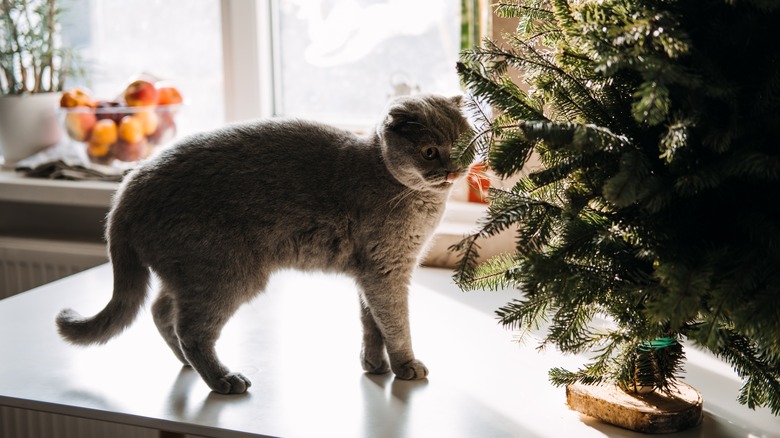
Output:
x=651 y=412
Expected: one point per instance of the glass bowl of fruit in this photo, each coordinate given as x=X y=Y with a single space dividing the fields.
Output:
x=128 y=128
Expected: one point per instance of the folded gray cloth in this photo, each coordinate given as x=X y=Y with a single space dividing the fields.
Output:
x=68 y=160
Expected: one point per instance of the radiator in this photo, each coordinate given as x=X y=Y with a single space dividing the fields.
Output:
x=22 y=423
x=28 y=263
x=25 y=264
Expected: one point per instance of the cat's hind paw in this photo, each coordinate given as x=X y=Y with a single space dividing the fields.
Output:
x=412 y=370
x=231 y=383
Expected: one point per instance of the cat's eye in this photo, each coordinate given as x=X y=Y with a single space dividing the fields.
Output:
x=429 y=152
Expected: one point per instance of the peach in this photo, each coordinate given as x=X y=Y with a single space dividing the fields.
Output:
x=105 y=132
x=79 y=124
x=130 y=129
x=141 y=93
x=149 y=121
x=169 y=95
x=77 y=97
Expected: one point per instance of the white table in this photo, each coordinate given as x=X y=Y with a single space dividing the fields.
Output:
x=299 y=343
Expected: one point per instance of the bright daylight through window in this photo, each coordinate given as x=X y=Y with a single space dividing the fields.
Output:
x=337 y=61
x=340 y=60
x=177 y=40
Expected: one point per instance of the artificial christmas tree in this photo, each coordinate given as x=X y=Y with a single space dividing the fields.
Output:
x=654 y=213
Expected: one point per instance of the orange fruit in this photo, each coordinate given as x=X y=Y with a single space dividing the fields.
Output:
x=105 y=132
x=130 y=129
x=95 y=149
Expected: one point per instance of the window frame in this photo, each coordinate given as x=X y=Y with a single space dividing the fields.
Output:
x=247 y=54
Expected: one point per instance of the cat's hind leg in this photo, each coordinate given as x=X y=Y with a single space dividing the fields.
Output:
x=198 y=326
x=164 y=315
x=372 y=353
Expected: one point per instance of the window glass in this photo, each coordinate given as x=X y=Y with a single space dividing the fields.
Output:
x=340 y=60
x=176 y=40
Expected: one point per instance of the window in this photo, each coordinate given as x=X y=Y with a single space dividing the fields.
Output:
x=333 y=60
x=177 y=40
x=340 y=60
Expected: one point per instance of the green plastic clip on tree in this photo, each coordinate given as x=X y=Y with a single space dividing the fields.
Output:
x=655 y=209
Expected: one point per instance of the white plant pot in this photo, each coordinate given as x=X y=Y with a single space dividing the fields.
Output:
x=28 y=124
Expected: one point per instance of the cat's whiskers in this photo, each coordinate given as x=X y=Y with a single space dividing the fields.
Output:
x=396 y=200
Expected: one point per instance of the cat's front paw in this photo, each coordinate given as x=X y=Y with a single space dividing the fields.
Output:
x=412 y=370
x=376 y=366
x=231 y=383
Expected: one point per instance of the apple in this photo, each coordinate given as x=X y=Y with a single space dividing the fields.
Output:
x=141 y=93
x=79 y=124
x=169 y=95
x=130 y=129
x=77 y=97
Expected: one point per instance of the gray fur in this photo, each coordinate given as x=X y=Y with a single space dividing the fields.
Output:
x=217 y=214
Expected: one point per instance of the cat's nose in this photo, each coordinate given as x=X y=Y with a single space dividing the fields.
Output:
x=453 y=176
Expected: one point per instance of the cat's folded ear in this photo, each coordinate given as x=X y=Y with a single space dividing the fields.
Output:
x=401 y=120
x=457 y=100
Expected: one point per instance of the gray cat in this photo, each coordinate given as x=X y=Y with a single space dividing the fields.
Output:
x=217 y=214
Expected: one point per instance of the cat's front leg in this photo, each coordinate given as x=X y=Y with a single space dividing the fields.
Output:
x=386 y=300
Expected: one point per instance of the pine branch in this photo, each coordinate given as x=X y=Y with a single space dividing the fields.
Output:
x=465 y=149
x=503 y=215
x=572 y=95
x=762 y=380
x=580 y=137
x=627 y=187
x=602 y=368
x=525 y=315
x=683 y=289
x=468 y=253
x=652 y=103
x=508 y=155
x=569 y=328
x=502 y=95
x=498 y=272
x=518 y=9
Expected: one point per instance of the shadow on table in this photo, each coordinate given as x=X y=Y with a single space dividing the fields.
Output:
x=428 y=408
x=210 y=409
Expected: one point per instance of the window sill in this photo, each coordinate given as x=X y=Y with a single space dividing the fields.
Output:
x=15 y=187
x=460 y=218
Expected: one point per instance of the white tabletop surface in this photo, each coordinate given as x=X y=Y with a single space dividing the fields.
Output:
x=299 y=344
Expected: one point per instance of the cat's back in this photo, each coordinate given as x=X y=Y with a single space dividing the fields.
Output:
x=246 y=168
x=248 y=156
x=255 y=145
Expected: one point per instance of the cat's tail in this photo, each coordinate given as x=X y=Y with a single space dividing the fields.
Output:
x=131 y=280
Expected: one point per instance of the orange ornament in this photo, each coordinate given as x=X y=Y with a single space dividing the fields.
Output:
x=478 y=183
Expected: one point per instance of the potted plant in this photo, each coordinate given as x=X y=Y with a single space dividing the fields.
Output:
x=33 y=67
x=651 y=226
